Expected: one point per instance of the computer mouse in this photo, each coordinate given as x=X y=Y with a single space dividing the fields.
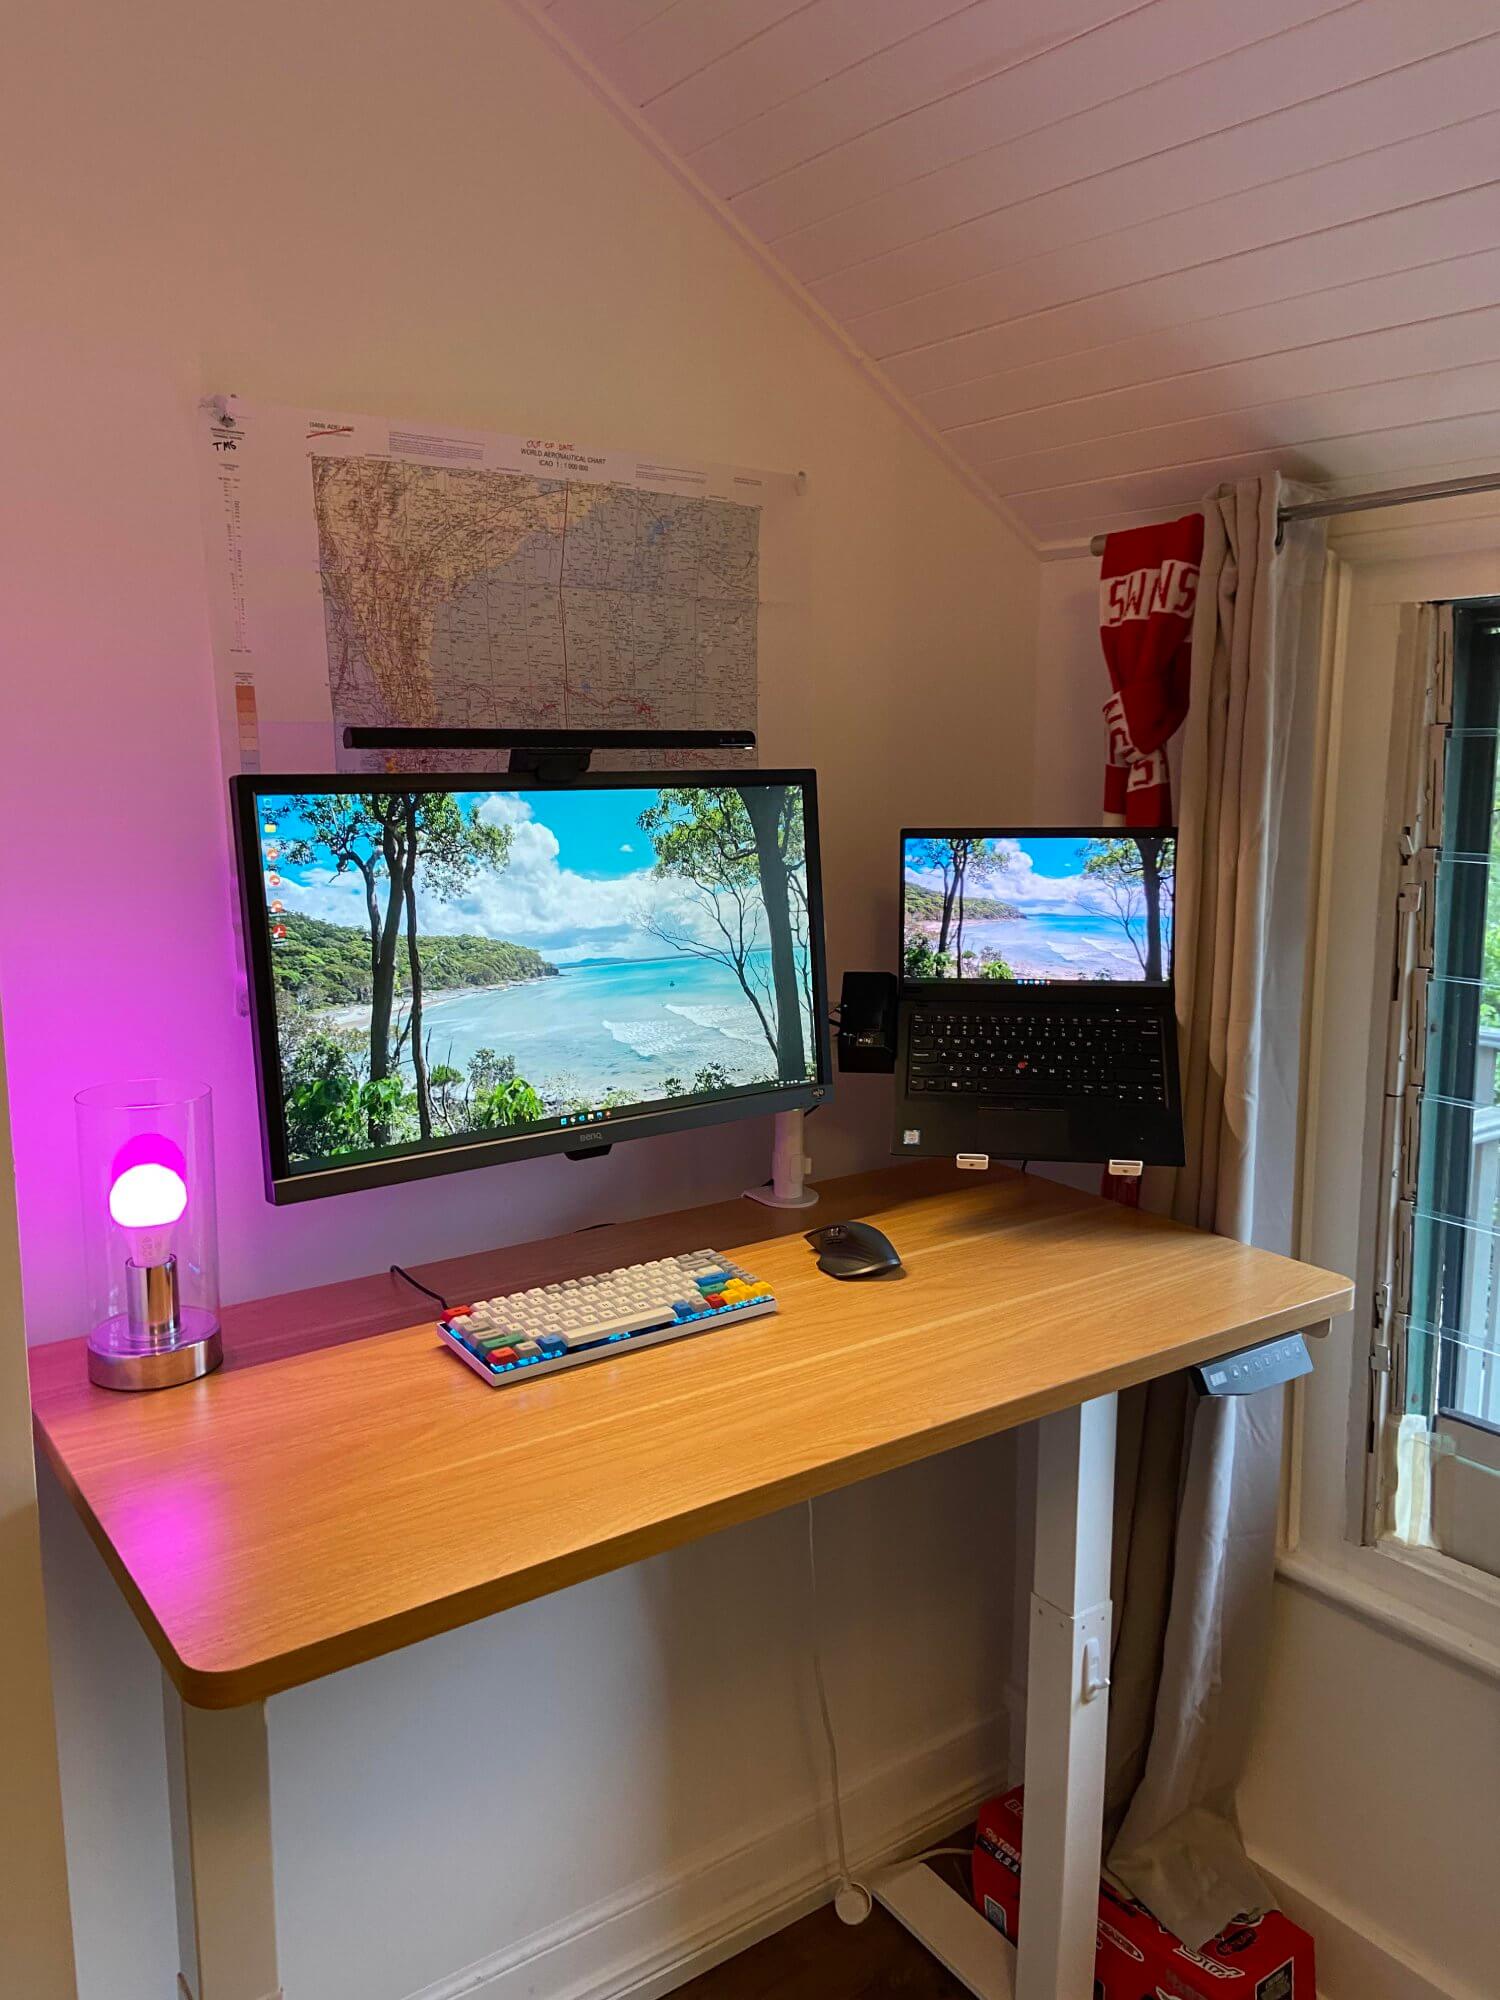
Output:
x=853 y=1250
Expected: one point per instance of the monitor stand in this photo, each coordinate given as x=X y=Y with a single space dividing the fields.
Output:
x=789 y=1165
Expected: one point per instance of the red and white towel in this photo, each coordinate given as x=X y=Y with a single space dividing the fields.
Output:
x=1148 y=586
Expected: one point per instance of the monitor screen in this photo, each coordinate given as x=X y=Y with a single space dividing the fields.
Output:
x=448 y=972
x=1090 y=906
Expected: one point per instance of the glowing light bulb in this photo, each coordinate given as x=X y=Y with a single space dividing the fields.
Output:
x=146 y=1200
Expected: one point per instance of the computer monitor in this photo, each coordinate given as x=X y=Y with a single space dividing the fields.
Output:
x=450 y=972
x=1074 y=906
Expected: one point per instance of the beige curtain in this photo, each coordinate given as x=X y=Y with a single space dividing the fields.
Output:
x=1198 y=1477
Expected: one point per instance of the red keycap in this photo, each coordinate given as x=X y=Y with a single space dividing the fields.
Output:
x=716 y=1299
x=502 y=1354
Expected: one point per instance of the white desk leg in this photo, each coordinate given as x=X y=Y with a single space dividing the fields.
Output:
x=219 y=1790
x=1067 y=1712
x=1067 y=1709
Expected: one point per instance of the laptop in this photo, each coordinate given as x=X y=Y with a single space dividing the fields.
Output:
x=1035 y=1017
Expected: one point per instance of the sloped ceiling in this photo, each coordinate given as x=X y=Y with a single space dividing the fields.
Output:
x=1113 y=252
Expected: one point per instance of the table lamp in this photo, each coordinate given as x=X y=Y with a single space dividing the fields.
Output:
x=145 y=1153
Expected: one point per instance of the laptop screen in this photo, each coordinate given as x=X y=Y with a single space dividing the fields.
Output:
x=1085 y=906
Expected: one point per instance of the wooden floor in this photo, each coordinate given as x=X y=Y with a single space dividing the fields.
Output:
x=822 y=1959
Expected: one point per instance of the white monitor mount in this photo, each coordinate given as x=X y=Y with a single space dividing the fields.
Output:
x=787 y=1187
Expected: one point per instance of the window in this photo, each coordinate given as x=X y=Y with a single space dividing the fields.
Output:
x=1439 y=1303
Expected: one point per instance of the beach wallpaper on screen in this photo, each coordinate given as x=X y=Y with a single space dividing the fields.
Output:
x=1043 y=907
x=451 y=963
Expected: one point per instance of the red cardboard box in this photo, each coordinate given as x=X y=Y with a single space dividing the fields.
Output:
x=1254 y=1958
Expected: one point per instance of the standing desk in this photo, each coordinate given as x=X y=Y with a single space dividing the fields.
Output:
x=291 y=1514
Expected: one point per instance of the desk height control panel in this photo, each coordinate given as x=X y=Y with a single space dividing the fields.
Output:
x=1262 y=1367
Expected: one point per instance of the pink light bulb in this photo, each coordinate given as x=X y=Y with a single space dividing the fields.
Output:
x=145 y=1201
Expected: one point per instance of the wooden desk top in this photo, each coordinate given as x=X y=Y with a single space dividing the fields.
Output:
x=313 y=1504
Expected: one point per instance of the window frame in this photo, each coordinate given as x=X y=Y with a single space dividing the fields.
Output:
x=1431 y=1474
x=1441 y=1607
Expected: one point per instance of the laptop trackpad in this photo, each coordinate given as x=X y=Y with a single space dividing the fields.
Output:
x=1021 y=1130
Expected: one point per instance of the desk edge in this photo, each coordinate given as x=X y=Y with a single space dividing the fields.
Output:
x=257 y=1679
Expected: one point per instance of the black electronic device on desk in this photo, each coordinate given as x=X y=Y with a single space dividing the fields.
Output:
x=854 y=1250
x=453 y=971
x=1036 y=1016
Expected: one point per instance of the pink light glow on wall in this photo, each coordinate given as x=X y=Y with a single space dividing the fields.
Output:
x=118 y=949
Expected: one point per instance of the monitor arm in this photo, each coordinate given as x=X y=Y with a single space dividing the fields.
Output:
x=788 y=1187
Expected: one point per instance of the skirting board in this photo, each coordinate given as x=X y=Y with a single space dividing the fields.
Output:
x=1356 y=1959
x=647 y=1940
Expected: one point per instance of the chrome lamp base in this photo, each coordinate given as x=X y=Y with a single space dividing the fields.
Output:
x=116 y=1363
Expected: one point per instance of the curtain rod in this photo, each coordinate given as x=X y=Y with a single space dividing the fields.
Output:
x=1363 y=503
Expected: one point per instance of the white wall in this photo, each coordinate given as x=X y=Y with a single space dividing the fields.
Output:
x=419 y=211
x=1072 y=683
x=1371 y=1790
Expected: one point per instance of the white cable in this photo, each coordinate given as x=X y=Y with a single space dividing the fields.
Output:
x=852 y=1899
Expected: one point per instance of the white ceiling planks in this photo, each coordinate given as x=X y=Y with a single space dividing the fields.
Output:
x=812 y=153
x=1324 y=326
x=1313 y=374
x=1048 y=201
x=1398 y=240
x=596 y=25
x=1206 y=235
x=1112 y=250
x=1295 y=421
x=820 y=41
x=1084 y=74
x=688 y=40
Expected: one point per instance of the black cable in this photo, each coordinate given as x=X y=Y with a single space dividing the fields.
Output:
x=416 y=1283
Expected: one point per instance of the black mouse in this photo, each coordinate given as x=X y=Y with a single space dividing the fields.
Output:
x=853 y=1250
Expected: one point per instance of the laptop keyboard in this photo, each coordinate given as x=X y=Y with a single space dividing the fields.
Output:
x=1037 y=1054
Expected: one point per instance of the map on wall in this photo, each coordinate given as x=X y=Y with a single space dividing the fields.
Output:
x=367 y=573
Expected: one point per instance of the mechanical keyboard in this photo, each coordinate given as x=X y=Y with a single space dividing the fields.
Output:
x=521 y=1335
x=1037 y=1054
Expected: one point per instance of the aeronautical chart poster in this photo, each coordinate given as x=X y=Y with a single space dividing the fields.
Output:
x=364 y=572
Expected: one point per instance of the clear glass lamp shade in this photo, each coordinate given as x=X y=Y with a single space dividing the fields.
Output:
x=150 y=1231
